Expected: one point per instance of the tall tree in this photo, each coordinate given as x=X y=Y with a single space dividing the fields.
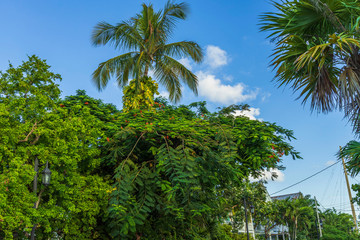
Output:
x=300 y=214
x=317 y=52
x=146 y=38
x=34 y=124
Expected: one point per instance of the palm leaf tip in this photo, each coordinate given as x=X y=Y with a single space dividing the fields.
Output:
x=101 y=33
x=177 y=10
x=351 y=152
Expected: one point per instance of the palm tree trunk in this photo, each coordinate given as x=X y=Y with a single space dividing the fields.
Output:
x=146 y=72
x=295 y=228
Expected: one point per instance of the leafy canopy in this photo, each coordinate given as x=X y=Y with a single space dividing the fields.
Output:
x=34 y=124
x=174 y=168
x=164 y=171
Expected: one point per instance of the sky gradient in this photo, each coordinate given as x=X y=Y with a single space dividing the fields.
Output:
x=235 y=70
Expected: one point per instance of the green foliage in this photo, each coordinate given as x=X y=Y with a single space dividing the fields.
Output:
x=352 y=153
x=225 y=233
x=140 y=97
x=146 y=36
x=337 y=225
x=173 y=169
x=255 y=195
x=164 y=172
x=297 y=214
x=34 y=124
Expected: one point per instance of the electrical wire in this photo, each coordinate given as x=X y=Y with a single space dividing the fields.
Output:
x=336 y=188
x=327 y=185
x=306 y=178
x=337 y=205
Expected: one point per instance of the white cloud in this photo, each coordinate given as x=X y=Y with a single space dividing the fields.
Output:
x=186 y=62
x=164 y=94
x=228 y=78
x=270 y=175
x=213 y=89
x=252 y=113
x=331 y=162
x=265 y=96
x=215 y=56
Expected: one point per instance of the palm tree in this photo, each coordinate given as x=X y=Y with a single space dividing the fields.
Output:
x=146 y=37
x=317 y=52
x=299 y=213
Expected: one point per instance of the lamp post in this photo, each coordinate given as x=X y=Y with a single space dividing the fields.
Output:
x=46 y=175
x=252 y=211
x=246 y=220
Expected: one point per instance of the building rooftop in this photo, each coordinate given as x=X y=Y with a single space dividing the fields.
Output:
x=290 y=196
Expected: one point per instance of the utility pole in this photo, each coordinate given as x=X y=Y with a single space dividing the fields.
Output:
x=350 y=197
x=318 y=219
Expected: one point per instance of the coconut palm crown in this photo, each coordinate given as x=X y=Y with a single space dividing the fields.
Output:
x=317 y=52
x=145 y=37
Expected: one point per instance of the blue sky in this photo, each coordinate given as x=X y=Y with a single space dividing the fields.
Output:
x=235 y=70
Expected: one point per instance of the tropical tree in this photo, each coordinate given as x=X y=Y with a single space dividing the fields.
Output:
x=337 y=225
x=36 y=124
x=300 y=214
x=146 y=38
x=175 y=170
x=269 y=215
x=317 y=52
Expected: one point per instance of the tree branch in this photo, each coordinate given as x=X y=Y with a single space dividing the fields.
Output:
x=39 y=197
x=27 y=136
x=36 y=139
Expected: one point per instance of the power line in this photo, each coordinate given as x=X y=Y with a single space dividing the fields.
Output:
x=337 y=204
x=306 y=178
x=337 y=187
x=327 y=185
x=355 y=179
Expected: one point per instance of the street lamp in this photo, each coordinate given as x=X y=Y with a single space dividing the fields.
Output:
x=46 y=175
x=246 y=217
x=246 y=220
x=252 y=208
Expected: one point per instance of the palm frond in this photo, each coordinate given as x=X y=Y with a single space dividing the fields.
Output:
x=171 y=14
x=351 y=152
x=321 y=88
x=123 y=35
x=117 y=65
x=183 y=49
x=168 y=78
x=307 y=69
x=187 y=77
